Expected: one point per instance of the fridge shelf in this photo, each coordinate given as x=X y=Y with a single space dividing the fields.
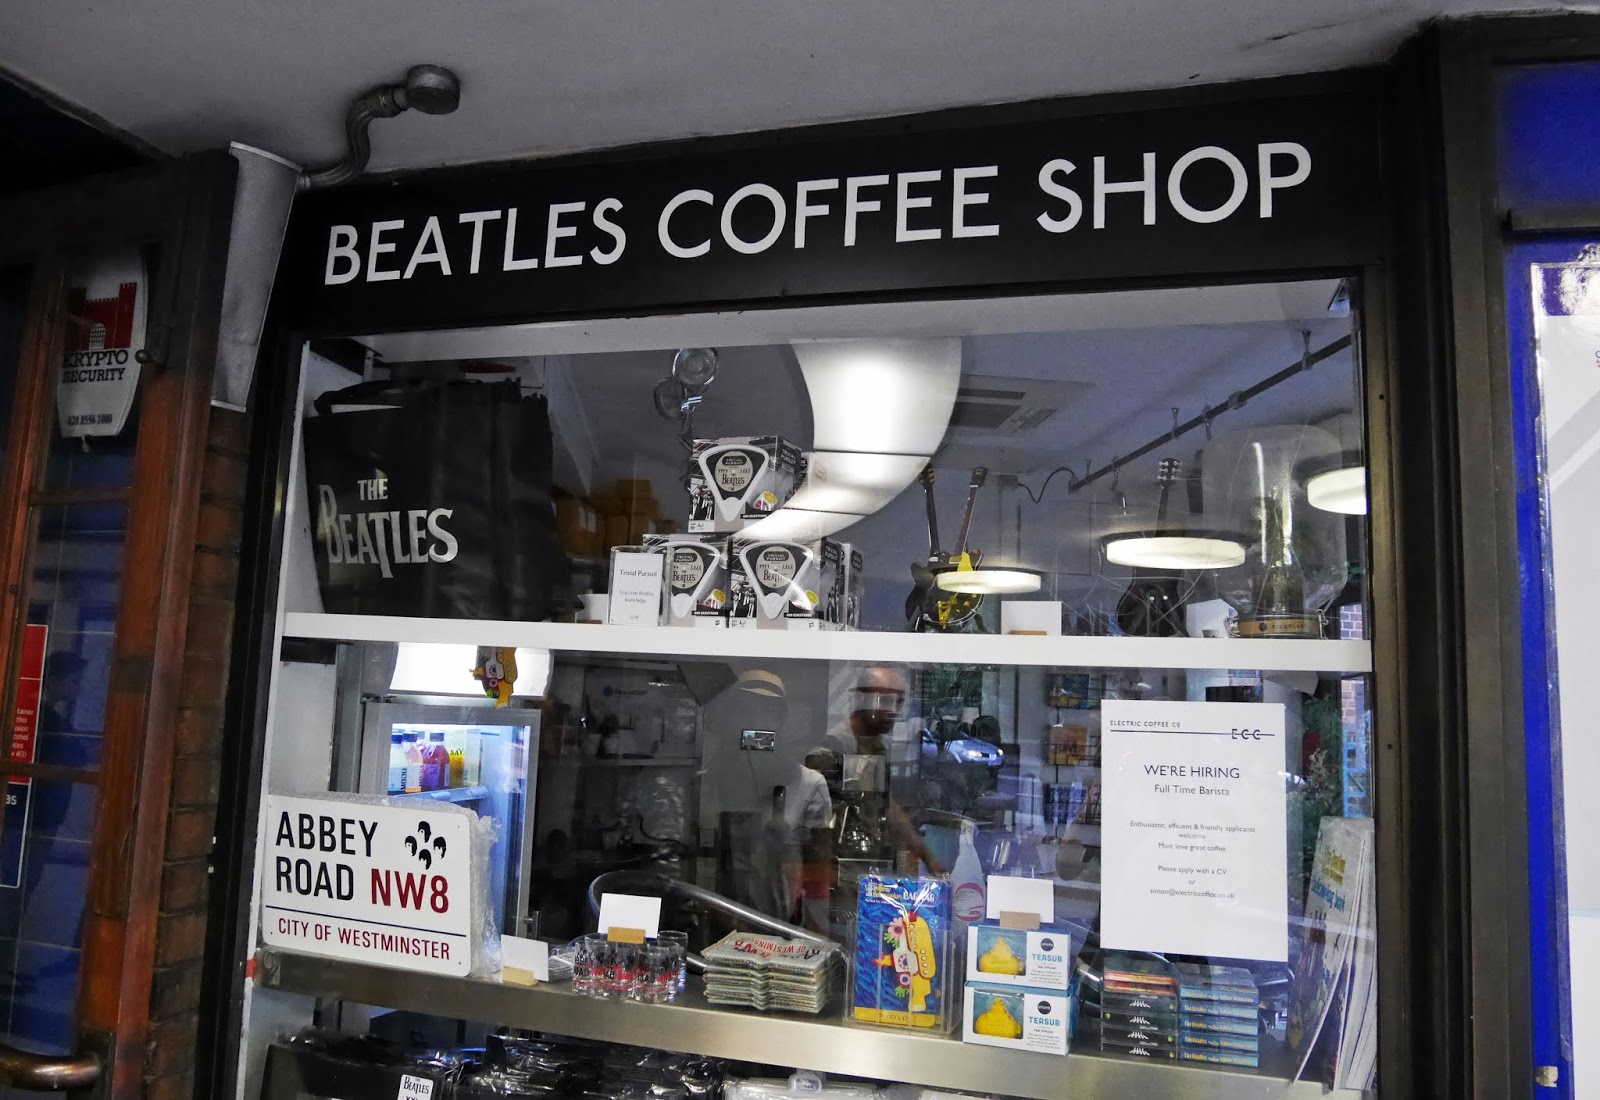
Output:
x=823 y=1043
x=450 y=794
x=1271 y=654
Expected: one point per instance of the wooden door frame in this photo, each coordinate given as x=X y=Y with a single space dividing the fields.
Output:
x=185 y=207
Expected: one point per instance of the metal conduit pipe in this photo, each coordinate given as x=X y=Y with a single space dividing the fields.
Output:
x=431 y=89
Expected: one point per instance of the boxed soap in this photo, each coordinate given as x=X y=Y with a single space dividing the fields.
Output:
x=737 y=480
x=1019 y=944
x=1021 y=1019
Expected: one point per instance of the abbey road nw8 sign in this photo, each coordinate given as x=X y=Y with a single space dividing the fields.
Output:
x=1180 y=191
x=372 y=884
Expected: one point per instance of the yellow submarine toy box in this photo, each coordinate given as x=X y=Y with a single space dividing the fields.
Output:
x=1020 y=1019
x=1019 y=943
x=902 y=965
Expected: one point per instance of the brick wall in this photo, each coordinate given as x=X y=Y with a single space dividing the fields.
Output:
x=185 y=877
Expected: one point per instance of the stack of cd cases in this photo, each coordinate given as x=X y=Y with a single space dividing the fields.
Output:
x=1218 y=1015
x=1139 y=1008
x=771 y=973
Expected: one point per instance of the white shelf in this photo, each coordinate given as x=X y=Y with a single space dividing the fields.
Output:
x=1270 y=654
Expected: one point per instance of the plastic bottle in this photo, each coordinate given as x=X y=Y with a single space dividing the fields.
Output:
x=436 y=763
x=413 y=764
x=397 y=763
x=971 y=893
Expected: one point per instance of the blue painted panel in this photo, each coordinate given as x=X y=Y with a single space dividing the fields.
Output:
x=1549 y=145
x=42 y=988
x=1547 y=878
x=54 y=892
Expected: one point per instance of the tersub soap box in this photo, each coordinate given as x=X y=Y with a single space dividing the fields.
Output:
x=1018 y=1019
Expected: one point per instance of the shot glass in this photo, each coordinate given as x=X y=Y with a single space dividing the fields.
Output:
x=620 y=970
x=589 y=956
x=681 y=941
x=660 y=963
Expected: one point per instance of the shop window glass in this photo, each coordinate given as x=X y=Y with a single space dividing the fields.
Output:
x=941 y=604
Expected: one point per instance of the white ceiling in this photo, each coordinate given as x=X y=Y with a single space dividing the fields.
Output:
x=1127 y=360
x=541 y=77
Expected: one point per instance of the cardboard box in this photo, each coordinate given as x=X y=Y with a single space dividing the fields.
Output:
x=1018 y=942
x=1017 y=1018
x=578 y=526
x=779 y=585
x=634 y=495
x=737 y=480
x=855 y=582
x=617 y=532
x=1025 y=958
x=696 y=578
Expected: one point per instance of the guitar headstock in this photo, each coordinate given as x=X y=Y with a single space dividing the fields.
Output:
x=1170 y=470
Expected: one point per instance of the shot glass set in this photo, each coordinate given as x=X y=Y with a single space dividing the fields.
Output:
x=654 y=972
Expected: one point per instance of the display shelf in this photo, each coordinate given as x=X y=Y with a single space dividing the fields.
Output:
x=827 y=1044
x=625 y=762
x=1272 y=654
x=450 y=794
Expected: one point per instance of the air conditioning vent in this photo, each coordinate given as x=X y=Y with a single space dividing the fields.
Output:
x=982 y=416
x=991 y=407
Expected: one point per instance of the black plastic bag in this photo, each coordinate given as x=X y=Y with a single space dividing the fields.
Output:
x=436 y=503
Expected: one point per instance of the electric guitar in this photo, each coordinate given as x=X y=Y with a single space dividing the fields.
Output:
x=928 y=607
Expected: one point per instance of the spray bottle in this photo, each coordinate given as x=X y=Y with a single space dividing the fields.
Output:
x=971 y=893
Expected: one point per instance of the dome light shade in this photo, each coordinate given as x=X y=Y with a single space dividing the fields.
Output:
x=1340 y=490
x=1173 y=550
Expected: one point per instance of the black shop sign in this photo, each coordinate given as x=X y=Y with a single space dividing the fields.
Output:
x=1239 y=187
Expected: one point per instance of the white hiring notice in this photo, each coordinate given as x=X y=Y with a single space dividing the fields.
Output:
x=1194 y=839
x=372 y=884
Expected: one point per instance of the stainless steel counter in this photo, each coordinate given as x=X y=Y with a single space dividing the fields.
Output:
x=826 y=1043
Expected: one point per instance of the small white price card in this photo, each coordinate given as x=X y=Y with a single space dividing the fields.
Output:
x=635 y=589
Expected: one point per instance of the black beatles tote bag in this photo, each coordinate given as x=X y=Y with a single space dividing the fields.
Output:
x=433 y=499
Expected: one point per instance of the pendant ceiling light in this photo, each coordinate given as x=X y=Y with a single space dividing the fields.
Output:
x=988 y=580
x=1173 y=549
x=1172 y=545
x=1340 y=489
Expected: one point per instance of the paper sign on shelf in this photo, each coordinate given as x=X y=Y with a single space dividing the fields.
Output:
x=1194 y=842
x=519 y=956
x=372 y=884
x=1021 y=895
x=635 y=589
x=630 y=911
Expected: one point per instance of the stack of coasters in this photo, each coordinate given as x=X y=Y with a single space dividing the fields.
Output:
x=771 y=973
x=1218 y=1019
x=1139 y=1008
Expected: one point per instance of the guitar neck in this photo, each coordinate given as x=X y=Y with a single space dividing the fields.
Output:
x=979 y=475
